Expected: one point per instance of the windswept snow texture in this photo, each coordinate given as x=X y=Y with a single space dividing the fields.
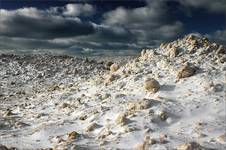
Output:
x=44 y=98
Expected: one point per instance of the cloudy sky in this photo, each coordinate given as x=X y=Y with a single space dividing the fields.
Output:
x=105 y=27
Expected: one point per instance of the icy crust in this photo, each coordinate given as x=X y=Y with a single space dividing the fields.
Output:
x=171 y=97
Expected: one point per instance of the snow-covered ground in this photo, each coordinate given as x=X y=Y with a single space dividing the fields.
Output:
x=64 y=102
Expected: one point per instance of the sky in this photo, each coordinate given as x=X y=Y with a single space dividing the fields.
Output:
x=105 y=27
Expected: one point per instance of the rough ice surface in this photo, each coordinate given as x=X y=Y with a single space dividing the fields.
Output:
x=44 y=98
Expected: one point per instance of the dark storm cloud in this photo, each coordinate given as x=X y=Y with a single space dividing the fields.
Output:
x=215 y=6
x=121 y=30
x=105 y=33
x=155 y=21
x=148 y=23
x=25 y=43
x=33 y=23
x=218 y=36
x=31 y=28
